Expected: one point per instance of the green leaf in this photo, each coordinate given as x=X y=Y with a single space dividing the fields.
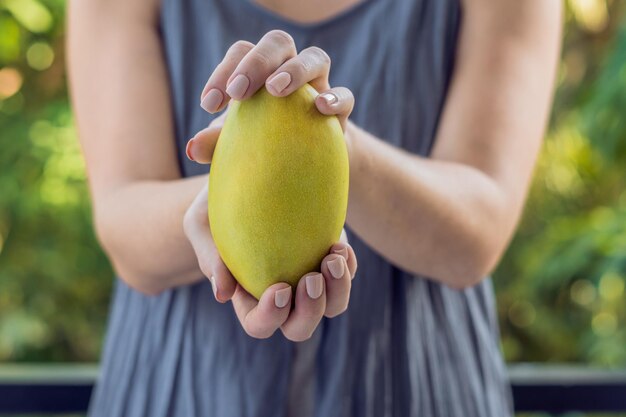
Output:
x=31 y=14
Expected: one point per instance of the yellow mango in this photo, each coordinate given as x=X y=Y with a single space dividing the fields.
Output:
x=278 y=188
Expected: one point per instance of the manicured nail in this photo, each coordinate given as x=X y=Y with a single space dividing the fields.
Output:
x=279 y=82
x=336 y=267
x=212 y=279
x=314 y=285
x=281 y=297
x=329 y=98
x=238 y=86
x=342 y=252
x=212 y=101
x=188 y=149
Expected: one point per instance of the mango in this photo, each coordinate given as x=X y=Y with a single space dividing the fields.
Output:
x=278 y=188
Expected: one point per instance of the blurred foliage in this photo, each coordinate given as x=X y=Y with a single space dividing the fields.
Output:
x=561 y=294
x=54 y=281
x=561 y=284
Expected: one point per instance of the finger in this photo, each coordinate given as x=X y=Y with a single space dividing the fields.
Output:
x=338 y=284
x=312 y=65
x=272 y=50
x=260 y=319
x=200 y=148
x=337 y=101
x=309 y=308
x=222 y=281
x=198 y=232
x=344 y=249
x=214 y=97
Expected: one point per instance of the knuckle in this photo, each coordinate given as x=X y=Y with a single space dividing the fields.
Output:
x=319 y=54
x=241 y=46
x=302 y=67
x=229 y=62
x=336 y=310
x=258 y=59
x=205 y=267
x=347 y=94
x=299 y=336
x=235 y=53
x=255 y=332
x=280 y=37
x=313 y=315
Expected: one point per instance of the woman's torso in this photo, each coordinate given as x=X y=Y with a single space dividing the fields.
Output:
x=407 y=346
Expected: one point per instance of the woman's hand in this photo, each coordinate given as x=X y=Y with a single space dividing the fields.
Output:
x=246 y=68
x=275 y=63
x=318 y=294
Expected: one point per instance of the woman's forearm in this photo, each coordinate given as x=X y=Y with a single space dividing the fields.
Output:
x=438 y=219
x=450 y=217
x=140 y=225
x=126 y=130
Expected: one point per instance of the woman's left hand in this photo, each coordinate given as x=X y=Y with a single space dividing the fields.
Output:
x=274 y=62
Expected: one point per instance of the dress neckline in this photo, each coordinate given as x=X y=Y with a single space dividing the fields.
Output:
x=285 y=21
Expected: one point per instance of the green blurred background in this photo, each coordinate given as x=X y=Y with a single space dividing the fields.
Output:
x=560 y=287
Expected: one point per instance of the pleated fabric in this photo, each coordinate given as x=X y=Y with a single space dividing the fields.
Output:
x=407 y=346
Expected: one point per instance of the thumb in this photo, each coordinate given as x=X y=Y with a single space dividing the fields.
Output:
x=200 y=148
x=198 y=230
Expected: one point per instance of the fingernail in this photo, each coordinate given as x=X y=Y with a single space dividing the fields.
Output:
x=329 y=98
x=238 y=86
x=211 y=102
x=279 y=82
x=188 y=149
x=336 y=267
x=343 y=252
x=314 y=285
x=212 y=279
x=281 y=297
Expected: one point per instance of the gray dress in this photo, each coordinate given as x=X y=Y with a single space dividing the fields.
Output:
x=407 y=346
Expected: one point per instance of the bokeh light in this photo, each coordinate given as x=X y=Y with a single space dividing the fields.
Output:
x=583 y=292
x=10 y=82
x=522 y=314
x=593 y=15
x=611 y=286
x=40 y=56
x=604 y=324
x=32 y=14
x=10 y=38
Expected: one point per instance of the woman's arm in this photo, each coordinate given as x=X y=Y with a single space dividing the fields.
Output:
x=120 y=96
x=451 y=217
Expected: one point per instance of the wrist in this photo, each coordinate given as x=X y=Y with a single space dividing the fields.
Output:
x=351 y=139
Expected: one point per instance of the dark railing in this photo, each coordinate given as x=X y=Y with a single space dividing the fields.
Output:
x=559 y=389
x=46 y=389
x=56 y=389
